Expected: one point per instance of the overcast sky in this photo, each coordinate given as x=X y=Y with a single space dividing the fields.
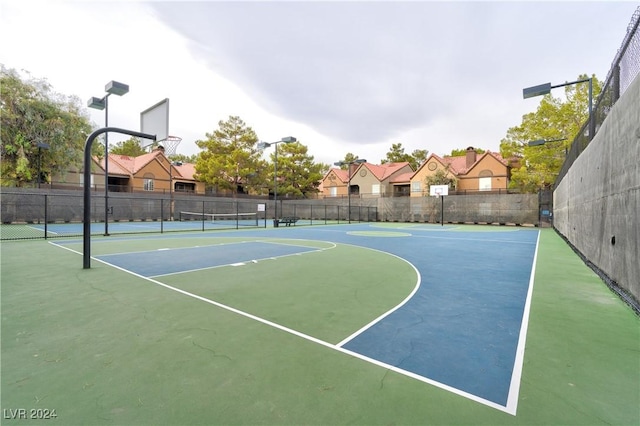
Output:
x=339 y=76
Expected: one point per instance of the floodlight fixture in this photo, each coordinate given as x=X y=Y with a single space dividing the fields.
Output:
x=97 y=103
x=344 y=163
x=542 y=89
x=116 y=88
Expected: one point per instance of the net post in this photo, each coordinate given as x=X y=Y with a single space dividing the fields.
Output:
x=237 y=215
x=161 y=215
x=203 y=216
x=46 y=201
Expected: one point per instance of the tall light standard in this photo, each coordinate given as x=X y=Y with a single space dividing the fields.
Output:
x=543 y=89
x=348 y=164
x=112 y=88
x=263 y=145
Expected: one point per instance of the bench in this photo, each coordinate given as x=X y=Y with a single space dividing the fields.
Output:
x=287 y=220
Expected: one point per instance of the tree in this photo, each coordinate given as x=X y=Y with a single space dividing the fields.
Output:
x=349 y=158
x=130 y=147
x=419 y=156
x=298 y=175
x=230 y=157
x=441 y=177
x=184 y=158
x=554 y=119
x=463 y=151
x=31 y=113
x=397 y=155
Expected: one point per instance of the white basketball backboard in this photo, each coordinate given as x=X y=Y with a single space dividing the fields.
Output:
x=155 y=120
x=438 y=190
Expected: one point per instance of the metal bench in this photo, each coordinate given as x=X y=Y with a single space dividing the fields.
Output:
x=287 y=220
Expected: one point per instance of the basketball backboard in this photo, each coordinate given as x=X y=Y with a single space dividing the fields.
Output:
x=155 y=120
x=438 y=190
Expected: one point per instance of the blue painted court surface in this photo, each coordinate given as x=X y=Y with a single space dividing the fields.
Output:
x=462 y=327
x=461 y=330
x=164 y=261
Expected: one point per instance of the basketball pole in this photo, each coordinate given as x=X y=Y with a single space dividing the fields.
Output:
x=442 y=210
x=86 y=225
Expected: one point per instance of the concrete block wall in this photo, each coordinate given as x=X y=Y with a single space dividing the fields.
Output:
x=597 y=204
x=511 y=209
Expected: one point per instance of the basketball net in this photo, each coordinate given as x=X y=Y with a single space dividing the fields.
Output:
x=170 y=144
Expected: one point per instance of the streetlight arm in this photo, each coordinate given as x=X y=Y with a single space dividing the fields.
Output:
x=573 y=82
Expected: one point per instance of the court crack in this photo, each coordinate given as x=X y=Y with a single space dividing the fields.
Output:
x=215 y=354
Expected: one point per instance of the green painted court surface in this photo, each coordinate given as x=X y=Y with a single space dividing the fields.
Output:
x=104 y=346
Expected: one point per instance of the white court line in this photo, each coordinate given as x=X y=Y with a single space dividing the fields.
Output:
x=186 y=271
x=512 y=399
x=516 y=375
x=386 y=314
x=41 y=229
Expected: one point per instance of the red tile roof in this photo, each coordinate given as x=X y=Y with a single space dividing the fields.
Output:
x=383 y=171
x=186 y=170
x=128 y=166
x=343 y=175
x=458 y=165
x=402 y=178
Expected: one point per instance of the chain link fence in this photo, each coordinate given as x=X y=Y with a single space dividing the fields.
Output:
x=624 y=69
x=30 y=215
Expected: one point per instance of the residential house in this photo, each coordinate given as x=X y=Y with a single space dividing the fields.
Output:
x=371 y=179
x=366 y=179
x=152 y=172
x=473 y=172
x=334 y=183
x=73 y=177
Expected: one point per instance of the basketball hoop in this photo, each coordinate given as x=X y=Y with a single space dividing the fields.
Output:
x=170 y=144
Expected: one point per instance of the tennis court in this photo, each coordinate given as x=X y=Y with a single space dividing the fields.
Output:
x=362 y=323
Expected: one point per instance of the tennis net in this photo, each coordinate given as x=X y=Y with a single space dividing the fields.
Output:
x=224 y=219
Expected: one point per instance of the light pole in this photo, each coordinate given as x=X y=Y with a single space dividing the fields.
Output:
x=348 y=164
x=112 y=88
x=171 y=191
x=41 y=146
x=263 y=145
x=543 y=89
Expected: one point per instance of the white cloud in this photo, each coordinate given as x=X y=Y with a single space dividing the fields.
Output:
x=340 y=76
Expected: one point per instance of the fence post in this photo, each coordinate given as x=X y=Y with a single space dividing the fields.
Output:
x=46 y=218
x=616 y=84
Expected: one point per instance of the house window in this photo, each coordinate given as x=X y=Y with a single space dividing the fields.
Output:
x=416 y=186
x=82 y=179
x=148 y=184
x=333 y=191
x=484 y=184
x=375 y=188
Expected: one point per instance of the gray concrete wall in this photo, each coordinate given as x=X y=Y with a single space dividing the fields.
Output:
x=597 y=204
x=20 y=206
x=503 y=209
